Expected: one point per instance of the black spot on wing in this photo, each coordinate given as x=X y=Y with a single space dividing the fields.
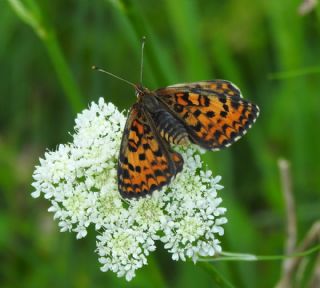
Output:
x=197 y=113
x=223 y=114
x=210 y=114
x=142 y=156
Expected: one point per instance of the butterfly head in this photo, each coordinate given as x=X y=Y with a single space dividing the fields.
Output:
x=141 y=91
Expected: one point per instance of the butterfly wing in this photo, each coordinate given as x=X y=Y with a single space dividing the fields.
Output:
x=222 y=87
x=213 y=112
x=146 y=162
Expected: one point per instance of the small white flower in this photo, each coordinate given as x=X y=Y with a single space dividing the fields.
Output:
x=80 y=181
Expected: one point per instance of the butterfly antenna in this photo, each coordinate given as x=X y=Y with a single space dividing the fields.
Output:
x=113 y=75
x=142 y=48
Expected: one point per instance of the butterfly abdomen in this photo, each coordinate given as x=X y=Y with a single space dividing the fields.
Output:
x=170 y=128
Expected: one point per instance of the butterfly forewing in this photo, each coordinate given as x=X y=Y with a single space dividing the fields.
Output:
x=213 y=112
x=146 y=162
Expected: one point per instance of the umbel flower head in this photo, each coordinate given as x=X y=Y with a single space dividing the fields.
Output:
x=80 y=181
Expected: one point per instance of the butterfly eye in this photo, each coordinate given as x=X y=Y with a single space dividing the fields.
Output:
x=139 y=92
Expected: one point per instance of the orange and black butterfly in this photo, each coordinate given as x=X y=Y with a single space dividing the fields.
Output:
x=211 y=114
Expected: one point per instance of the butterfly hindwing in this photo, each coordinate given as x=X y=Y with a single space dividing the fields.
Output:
x=146 y=162
x=213 y=112
x=220 y=87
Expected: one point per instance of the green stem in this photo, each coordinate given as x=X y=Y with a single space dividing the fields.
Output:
x=64 y=74
x=294 y=73
x=31 y=14
x=229 y=256
x=221 y=281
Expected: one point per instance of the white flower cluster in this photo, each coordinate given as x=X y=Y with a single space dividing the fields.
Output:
x=80 y=181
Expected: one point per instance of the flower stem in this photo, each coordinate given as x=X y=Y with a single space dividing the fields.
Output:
x=155 y=273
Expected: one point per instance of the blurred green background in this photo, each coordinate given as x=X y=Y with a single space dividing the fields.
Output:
x=266 y=47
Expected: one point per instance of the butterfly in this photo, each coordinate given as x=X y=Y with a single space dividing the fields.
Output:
x=211 y=114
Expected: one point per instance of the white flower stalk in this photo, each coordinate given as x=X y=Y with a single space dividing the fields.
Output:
x=80 y=181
